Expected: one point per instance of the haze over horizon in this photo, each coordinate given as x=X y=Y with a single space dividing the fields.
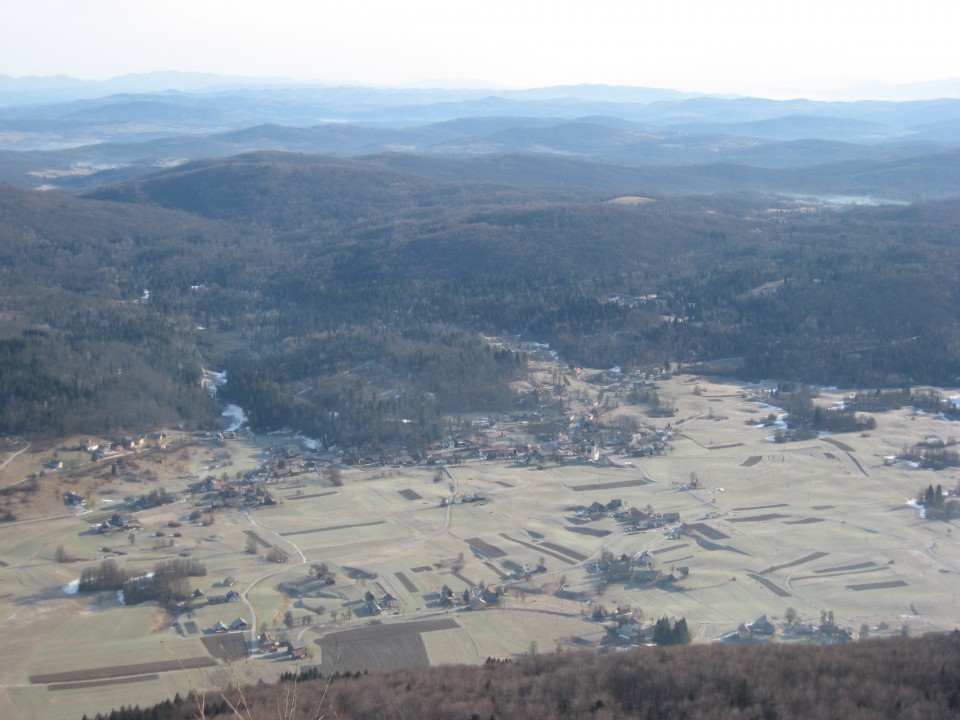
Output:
x=813 y=49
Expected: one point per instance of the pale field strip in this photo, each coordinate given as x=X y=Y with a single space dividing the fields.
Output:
x=325 y=547
x=39 y=701
x=450 y=647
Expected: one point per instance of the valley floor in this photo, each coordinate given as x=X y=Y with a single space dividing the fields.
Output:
x=824 y=525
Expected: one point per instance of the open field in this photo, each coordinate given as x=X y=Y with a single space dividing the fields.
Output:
x=819 y=525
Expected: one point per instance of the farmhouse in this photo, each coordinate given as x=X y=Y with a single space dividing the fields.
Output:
x=73 y=499
x=646 y=576
x=298 y=651
x=678 y=574
x=373 y=605
x=268 y=644
x=762 y=626
x=232 y=596
x=446 y=597
x=127 y=521
x=617 y=570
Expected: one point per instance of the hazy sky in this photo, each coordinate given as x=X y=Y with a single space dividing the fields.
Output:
x=744 y=46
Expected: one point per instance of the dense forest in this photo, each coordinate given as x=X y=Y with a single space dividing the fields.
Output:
x=909 y=678
x=350 y=298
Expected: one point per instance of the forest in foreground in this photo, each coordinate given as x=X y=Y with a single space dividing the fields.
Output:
x=909 y=678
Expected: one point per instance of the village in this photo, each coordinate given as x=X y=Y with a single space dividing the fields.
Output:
x=607 y=507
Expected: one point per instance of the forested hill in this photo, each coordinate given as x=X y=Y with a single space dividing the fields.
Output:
x=908 y=678
x=346 y=295
x=79 y=352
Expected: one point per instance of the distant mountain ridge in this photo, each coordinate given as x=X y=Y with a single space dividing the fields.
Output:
x=657 y=140
x=588 y=136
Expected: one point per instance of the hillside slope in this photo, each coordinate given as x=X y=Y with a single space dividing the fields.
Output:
x=290 y=270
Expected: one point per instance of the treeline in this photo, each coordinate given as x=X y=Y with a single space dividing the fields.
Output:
x=671 y=632
x=167 y=584
x=154 y=498
x=931 y=457
x=929 y=401
x=373 y=385
x=909 y=678
x=936 y=506
x=805 y=418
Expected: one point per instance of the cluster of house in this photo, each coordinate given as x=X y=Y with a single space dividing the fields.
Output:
x=267 y=644
x=118 y=521
x=635 y=519
x=378 y=606
x=762 y=630
x=625 y=625
x=597 y=510
x=74 y=499
x=638 y=520
x=638 y=569
x=473 y=598
x=228 y=597
x=576 y=435
x=238 y=624
x=462 y=498
x=236 y=494
x=101 y=449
